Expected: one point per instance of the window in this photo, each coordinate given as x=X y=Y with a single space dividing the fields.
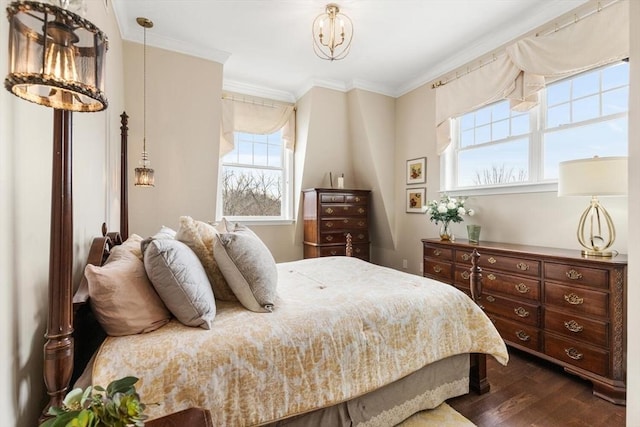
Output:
x=255 y=179
x=578 y=117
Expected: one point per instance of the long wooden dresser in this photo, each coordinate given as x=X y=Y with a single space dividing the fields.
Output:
x=331 y=214
x=553 y=303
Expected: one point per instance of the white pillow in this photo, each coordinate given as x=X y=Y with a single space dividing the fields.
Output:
x=248 y=267
x=179 y=278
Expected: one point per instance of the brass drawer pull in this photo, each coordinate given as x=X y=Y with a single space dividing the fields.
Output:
x=521 y=312
x=329 y=238
x=437 y=268
x=490 y=298
x=437 y=252
x=357 y=250
x=346 y=208
x=522 y=335
x=573 y=299
x=573 y=353
x=466 y=257
x=334 y=252
x=522 y=288
x=465 y=275
x=361 y=223
x=492 y=260
x=361 y=211
x=357 y=199
x=329 y=211
x=573 y=326
x=361 y=236
x=334 y=198
x=329 y=224
x=573 y=274
x=345 y=221
x=522 y=266
x=491 y=276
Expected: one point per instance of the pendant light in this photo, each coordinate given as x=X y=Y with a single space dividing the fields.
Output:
x=332 y=33
x=144 y=174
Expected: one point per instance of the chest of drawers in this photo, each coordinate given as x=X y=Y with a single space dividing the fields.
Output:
x=553 y=303
x=331 y=214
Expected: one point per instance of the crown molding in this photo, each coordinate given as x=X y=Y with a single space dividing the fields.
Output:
x=257 y=91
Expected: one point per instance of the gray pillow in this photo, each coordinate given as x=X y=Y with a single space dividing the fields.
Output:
x=164 y=233
x=179 y=278
x=248 y=267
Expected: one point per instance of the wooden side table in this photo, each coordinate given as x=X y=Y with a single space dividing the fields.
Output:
x=192 y=417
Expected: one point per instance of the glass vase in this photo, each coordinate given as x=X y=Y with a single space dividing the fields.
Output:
x=445 y=231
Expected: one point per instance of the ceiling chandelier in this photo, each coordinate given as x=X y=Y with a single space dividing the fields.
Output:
x=144 y=174
x=332 y=33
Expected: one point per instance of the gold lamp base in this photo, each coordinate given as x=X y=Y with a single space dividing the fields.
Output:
x=590 y=231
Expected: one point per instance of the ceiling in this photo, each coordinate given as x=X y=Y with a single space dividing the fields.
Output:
x=398 y=45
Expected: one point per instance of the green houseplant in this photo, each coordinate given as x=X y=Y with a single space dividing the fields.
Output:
x=117 y=406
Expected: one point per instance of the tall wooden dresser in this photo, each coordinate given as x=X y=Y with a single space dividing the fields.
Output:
x=549 y=302
x=329 y=215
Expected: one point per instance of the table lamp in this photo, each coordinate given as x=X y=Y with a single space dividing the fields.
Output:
x=597 y=176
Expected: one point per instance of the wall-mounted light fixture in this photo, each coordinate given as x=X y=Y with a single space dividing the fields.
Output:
x=332 y=34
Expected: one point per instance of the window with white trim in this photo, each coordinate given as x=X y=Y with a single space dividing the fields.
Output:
x=256 y=179
x=578 y=117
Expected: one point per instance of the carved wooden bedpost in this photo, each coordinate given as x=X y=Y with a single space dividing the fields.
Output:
x=349 y=248
x=478 y=373
x=476 y=277
x=124 y=210
x=58 y=350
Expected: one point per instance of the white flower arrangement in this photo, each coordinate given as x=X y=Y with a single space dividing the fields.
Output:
x=448 y=209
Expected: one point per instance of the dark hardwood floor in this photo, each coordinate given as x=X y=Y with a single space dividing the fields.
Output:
x=533 y=392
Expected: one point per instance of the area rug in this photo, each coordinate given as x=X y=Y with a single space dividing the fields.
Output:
x=442 y=416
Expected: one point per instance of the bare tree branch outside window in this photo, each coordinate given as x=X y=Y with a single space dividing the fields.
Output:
x=499 y=175
x=255 y=193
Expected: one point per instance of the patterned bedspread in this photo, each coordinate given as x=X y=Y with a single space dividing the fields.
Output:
x=341 y=328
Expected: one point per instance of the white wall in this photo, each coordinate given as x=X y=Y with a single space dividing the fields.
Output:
x=25 y=186
x=633 y=291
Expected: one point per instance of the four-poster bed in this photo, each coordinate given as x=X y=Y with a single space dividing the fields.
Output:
x=394 y=328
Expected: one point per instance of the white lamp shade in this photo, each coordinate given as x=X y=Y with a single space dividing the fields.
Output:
x=597 y=176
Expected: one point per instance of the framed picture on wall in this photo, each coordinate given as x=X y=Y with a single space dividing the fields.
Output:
x=416 y=199
x=417 y=171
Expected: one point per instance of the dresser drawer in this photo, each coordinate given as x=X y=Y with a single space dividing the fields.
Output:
x=342 y=210
x=576 y=327
x=462 y=277
x=577 y=300
x=343 y=223
x=360 y=251
x=438 y=252
x=438 y=270
x=509 y=264
x=525 y=335
x=584 y=276
x=511 y=285
x=511 y=310
x=332 y=198
x=577 y=354
x=335 y=237
x=356 y=198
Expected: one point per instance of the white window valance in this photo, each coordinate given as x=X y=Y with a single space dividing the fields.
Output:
x=528 y=64
x=258 y=118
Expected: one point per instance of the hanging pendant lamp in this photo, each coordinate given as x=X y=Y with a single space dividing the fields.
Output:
x=144 y=174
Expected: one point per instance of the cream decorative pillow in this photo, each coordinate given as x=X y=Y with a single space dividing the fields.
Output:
x=123 y=299
x=248 y=266
x=131 y=245
x=199 y=236
x=179 y=278
x=163 y=233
